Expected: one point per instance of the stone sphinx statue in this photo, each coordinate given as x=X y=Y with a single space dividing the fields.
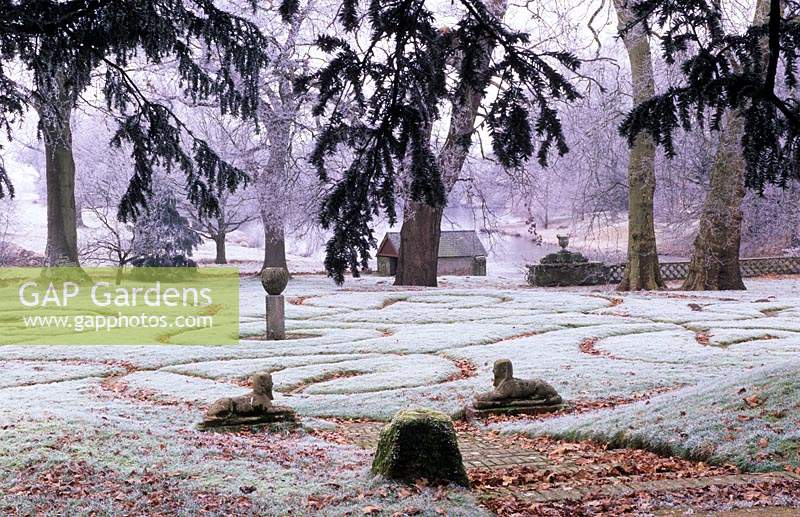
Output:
x=512 y=395
x=255 y=408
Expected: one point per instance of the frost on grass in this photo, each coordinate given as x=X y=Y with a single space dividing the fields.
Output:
x=21 y=373
x=70 y=451
x=751 y=420
x=370 y=350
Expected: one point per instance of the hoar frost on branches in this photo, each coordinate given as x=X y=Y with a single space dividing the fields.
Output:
x=395 y=86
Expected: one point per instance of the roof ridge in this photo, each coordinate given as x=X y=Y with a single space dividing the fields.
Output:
x=453 y=243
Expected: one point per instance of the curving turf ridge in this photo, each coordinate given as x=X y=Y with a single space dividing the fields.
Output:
x=751 y=420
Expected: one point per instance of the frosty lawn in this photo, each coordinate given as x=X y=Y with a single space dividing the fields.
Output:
x=750 y=420
x=369 y=350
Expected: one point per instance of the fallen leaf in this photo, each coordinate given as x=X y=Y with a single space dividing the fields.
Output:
x=753 y=401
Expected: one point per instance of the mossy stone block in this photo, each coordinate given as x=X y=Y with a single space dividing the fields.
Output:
x=420 y=443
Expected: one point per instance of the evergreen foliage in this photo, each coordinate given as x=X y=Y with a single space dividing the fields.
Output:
x=162 y=236
x=76 y=43
x=381 y=102
x=724 y=70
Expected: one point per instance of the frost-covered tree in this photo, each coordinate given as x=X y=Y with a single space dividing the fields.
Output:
x=715 y=255
x=54 y=51
x=395 y=84
x=269 y=150
x=725 y=69
x=234 y=140
x=733 y=80
x=235 y=210
x=109 y=241
x=284 y=113
x=642 y=269
x=161 y=235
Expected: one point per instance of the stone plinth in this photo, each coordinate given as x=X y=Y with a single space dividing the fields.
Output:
x=420 y=443
x=565 y=268
x=274 y=280
x=562 y=275
x=276 y=319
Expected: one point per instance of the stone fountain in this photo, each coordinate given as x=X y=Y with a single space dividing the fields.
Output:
x=565 y=268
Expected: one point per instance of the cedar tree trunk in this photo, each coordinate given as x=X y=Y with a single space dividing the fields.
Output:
x=419 y=245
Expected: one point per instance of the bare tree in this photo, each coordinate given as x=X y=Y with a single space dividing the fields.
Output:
x=112 y=242
x=642 y=271
x=235 y=210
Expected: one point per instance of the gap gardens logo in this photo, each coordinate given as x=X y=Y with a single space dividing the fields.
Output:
x=107 y=306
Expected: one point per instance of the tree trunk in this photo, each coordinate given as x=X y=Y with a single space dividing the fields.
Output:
x=642 y=271
x=715 y=256
x=274 y=246
x=274 y=198
x=418 y=258
x=794 y=215
x=55 y=109
x=219 y=240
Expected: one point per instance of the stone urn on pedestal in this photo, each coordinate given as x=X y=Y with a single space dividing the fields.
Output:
x=274 y=280
x=565 y=268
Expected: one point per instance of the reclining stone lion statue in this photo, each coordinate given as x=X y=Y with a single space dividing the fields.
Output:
x=255 y=408
x=517 y=395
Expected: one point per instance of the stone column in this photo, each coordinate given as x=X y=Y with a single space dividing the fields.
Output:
x=274 y=280
x=276 y=323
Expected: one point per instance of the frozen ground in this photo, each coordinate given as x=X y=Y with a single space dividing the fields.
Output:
x=368 y=349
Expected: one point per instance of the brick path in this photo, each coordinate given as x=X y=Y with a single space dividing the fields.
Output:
x=482 y=450
x=623 y=489
x=478 y=451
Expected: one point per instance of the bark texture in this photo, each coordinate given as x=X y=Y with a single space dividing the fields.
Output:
x=714 y=264
x=219 y=241
x=642 y=271
x=55 y=110
x=418 y=258
x=275 y=176
x=274 y=247
x=419 y=245
x=715 y=256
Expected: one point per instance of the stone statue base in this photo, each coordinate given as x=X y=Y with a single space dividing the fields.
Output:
x=276 y=327
x=276 y=418
x=516 y=407
x=252 y=410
